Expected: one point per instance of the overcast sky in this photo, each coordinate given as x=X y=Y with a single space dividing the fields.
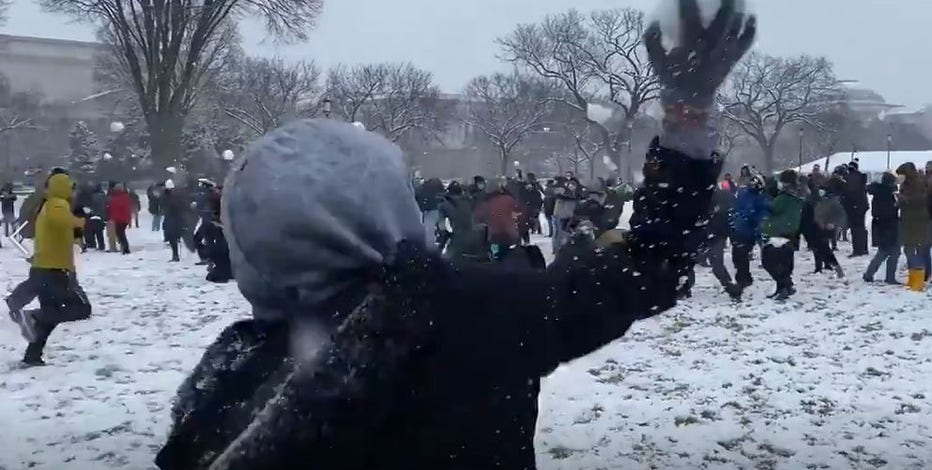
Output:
x=882 y=43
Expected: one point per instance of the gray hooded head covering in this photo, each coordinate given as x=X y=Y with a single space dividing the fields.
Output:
x=310 y=209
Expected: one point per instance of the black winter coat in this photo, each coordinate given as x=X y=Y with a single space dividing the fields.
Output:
x=723 y=207
x=429 y=194
x=854 y=198
x=434 y=400
x=176 y=213
x=885 y=223
x=403 y=384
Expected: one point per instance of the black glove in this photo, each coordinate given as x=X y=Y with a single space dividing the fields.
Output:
x=692 y=71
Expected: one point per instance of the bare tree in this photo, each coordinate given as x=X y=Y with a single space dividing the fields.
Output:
x=4 y=9
x=262 y=94
x=506 y=108
x=766 y=94
x=392 y=99
x=597 y=59
x=585 y=145
x=165 y=49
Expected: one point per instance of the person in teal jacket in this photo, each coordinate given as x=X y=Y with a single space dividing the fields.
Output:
x=780 y=231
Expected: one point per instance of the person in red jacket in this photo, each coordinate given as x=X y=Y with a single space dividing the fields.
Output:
x=500 y=212
x=120 y=209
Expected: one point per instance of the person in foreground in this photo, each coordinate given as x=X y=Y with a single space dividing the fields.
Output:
x=368 y=351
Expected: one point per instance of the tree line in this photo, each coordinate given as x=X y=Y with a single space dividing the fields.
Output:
x=582 y=80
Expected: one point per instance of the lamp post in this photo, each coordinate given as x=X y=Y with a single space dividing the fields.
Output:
x=801 y=135
x=327 y=107
x=889 y=145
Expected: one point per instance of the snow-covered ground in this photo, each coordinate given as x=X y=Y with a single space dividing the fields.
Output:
x=835 y=378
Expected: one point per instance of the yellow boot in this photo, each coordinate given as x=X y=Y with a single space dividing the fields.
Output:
x=917 y=282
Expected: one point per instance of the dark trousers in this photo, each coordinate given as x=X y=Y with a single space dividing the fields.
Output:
x=121 y=237
x=24 y=293
x=741 y=249
x=818 y=240
x=173 y=242
x=61 y=299
x=9 y=223
x=94 y=234
x=858 y=232
x=889 y=255
x=716 y=257
x=778 y=262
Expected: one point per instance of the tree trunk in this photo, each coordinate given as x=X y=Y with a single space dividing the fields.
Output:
x=591 y=169
x=503 y=155
x=165 y=141
x=768 y=160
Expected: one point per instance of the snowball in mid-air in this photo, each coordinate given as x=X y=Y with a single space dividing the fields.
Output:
x=598 y=113
x=228 y=155
x=668 y=15
x=107 y=156
x=607 y=161
x=172 y=170
x=117 y=126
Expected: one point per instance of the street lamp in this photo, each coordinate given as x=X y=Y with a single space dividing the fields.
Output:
x=889 y=145
x=327 y=107
x=802 y=133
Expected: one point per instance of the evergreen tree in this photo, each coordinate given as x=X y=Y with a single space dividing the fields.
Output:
x=85 y=155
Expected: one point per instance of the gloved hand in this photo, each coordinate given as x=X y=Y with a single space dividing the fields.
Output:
x=691 y=72
x=86 y=210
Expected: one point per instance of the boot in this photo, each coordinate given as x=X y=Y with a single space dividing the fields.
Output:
x=734 y=291
x=839 y=271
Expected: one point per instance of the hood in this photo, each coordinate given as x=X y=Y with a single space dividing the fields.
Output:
x=59 y=187
x=311 y=211
x=908 y=170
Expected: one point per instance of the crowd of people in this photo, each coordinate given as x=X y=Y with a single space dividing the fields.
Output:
x=98 y=217
x=494 y=223
x=778 y=213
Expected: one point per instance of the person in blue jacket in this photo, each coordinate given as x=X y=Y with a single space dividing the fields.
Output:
x=750 y=210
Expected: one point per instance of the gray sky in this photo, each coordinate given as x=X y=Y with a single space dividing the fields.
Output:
x=882 y=43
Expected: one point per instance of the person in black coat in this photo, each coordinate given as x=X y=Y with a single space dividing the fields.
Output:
x=175 y=208
x=533 y=199
x=362 y=353
x=854 y=200
x=7 y=209
x=885 y=228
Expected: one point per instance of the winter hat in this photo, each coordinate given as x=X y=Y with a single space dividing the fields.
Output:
x=310 y=211
x=788 y=177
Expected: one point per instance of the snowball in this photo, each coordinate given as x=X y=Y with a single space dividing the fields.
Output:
x=668 y=15
x=607 y=161
x=172 y=170
x=359 y=125
x=598 y=113
x=117 y=126
x=517 y=164
x=169 y=184
x=107 y=156
x=228 y=155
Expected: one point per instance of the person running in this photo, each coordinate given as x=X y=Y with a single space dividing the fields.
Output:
x=391 y=376
x=53 y=276
x=780 y=229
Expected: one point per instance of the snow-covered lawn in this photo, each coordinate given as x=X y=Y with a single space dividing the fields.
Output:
x=835 y=378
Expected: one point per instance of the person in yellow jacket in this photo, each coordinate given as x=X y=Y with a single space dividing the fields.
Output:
x=61 y=298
